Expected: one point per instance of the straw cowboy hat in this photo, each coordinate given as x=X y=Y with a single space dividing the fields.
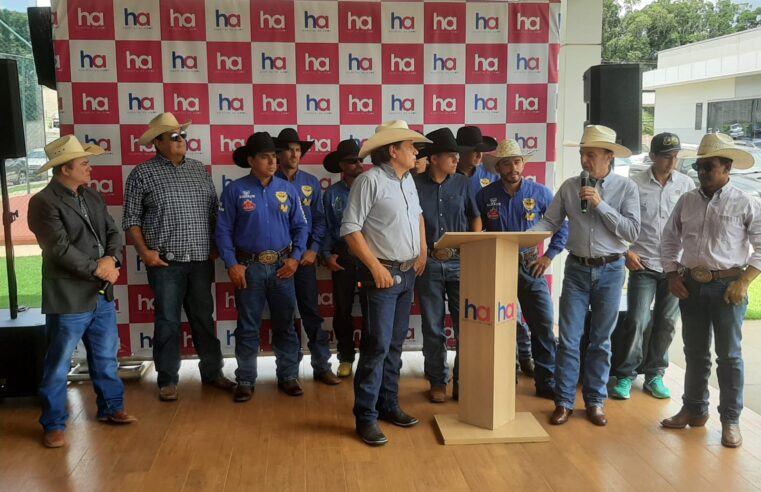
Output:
x=601 y=137
x=347 y=150
x=722 y=145
x=388 y=133
x=165 y=122
x=506 y=148
x=64 y=149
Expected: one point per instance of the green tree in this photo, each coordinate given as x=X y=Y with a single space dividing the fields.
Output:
x=9 y=43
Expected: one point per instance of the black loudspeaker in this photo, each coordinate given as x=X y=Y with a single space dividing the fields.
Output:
x=11 y=120
x=23 y=343
x=613 y=94
x=41 y=31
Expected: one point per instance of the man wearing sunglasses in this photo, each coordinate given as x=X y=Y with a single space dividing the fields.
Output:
x=170 y=207
x=706 y=252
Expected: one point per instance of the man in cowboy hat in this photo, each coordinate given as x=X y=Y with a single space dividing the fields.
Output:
x=449 y=205
x=515 y=204
x=603 y=219
x=261 y=235
x=383 y=226
x=290 y=149
x=706 y=254
x=472 y=163
x=659 y=189
x=170 y=206
x=335 y=252
x=81 y=255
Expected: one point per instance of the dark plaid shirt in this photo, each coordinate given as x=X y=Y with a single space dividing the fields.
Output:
x=176 y=207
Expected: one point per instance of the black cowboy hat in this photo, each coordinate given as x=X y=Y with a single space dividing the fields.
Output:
x=442 y=140
x=346 y=150
x=256 y=143
x=470 y=136
x=289 y=136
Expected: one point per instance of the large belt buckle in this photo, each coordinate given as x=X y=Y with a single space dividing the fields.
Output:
x=443 y=254
x=701 y=275
x=406 y=265
x=268 y=257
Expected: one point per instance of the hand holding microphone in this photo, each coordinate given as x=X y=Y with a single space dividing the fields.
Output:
x=584 y=182
x=588 y=193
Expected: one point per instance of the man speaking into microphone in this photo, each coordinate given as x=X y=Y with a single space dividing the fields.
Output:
x=604 y=216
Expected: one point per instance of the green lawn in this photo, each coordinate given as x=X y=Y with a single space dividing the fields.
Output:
x=28 y=279
x=754 y=300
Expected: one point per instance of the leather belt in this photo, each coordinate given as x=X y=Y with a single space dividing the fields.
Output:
x=704 y=275
x=444 y=254
x=268 y=257
x=401 y=265
x=596 y=262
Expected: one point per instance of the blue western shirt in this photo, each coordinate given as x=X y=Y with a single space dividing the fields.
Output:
x=481 y=178
x=501 y=212
x=310 y=195
x=334 y=202
x=254 y=218
x=447 y=207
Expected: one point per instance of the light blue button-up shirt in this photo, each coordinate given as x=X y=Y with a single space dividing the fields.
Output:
x=386 y=209
x=604 y=230
x=656 y=202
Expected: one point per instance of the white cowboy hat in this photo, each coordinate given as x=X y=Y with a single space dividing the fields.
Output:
x=506 y=148
x=165 y=122
x=721 y=145
x=67 y=148
x=388 y=133
x=601 y=137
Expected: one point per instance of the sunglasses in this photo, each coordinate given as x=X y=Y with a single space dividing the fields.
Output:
x=703 y=166
x=176 y=137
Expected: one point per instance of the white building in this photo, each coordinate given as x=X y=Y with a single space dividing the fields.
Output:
x=712 y=85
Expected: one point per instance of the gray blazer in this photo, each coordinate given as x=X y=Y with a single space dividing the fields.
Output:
x=69 y=247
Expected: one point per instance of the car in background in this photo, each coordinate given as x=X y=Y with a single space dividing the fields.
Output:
x=18 y=170
x=629 y=166
x=747 y=180
x=736 y=130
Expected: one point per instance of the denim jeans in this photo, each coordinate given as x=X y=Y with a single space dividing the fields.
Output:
x=704 y=312
x=439 y=284
x=344 y=287
x=585 y=287
x=534 y=297
x=318 y=342
x=522 y=336
x=262 y=285
x=97 y=329
x=177 y=286
x=376 y=381
x=640 y=343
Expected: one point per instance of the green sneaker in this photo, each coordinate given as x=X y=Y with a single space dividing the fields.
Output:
x=656 y=388
x=622 y=389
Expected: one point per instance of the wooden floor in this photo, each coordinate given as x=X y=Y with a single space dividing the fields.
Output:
x=274 y=442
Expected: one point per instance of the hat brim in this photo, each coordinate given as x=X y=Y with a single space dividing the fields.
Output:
x=487 y=145
x=390 y=136
x=240 y=155
x=332 y=161
x=89 y=150
x=618 y=150
x=154 y=131
x=282 y=146
x=740 y=158
x=491 y=160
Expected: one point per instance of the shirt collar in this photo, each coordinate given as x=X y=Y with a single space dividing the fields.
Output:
x=653 y=178
x=719 y=193
x=168 y=161
x=66 y=191
x=391 y=173
x=280 y=174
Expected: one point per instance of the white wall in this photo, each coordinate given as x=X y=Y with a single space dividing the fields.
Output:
x=675 y=107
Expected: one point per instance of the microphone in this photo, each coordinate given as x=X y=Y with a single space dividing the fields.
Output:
x=103 y=287
x=584 y=182
x=371 y=283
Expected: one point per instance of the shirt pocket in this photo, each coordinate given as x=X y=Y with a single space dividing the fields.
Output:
x=731 y=229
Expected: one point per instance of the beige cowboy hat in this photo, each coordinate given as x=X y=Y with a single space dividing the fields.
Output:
x=64 y=149
x=506 y=148
x=388 y=133
x=721 y=145
x=601 y=137
x=165 y=122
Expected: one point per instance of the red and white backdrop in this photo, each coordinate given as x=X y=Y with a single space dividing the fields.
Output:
x=332 y=69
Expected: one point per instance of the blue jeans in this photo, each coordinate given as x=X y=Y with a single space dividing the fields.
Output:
x=176 y=287
x=704 y=312
x=585 y=287
x=522 y=336
x=439 y=284
x=97 y=329
x=262 y=285
x=305 y=280
x=376 y=382
x=640 y=343
x=534 y=297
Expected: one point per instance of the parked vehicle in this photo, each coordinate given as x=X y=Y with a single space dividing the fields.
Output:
x=748 y=180
x=18 y=170
x=736 y=130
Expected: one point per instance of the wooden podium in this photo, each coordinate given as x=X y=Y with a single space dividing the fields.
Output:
x=488 y=310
